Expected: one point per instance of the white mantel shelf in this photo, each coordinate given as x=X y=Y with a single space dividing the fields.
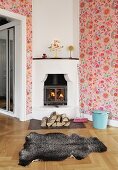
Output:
x=41 y=68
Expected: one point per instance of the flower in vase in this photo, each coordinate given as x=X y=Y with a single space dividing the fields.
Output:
x=55 y=46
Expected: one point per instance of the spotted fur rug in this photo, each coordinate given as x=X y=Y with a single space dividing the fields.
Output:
x=57 y=147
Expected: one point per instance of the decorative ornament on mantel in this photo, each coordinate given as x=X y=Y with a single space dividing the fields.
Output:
x=44 y=55
x=71 y=48
x=55 y=46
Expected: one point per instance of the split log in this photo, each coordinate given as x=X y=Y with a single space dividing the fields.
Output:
x=53 y=116
x=65 y=119
x=67 y=124
x=55 y=120
x=58 y=118
x=60 y=124
x=54 y=124
x=50 y=122
x=63 y=115
x=44 y=122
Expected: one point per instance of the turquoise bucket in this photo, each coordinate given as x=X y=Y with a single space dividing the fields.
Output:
x=100 y=119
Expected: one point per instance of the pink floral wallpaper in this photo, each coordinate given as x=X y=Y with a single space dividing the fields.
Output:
x=24 y=7
x=98 y=52
x=99 y=56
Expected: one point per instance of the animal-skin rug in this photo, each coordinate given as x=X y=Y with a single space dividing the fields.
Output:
x=57 y=147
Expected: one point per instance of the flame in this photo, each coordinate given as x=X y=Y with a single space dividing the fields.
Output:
x=52 y=94
x=61 y=95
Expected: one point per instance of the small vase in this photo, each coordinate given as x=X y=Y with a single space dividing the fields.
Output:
x=56 y=56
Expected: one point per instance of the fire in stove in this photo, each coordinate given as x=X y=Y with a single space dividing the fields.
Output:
x=55 y=95
x=55 y=90
x=61 y=97
x=52 y=94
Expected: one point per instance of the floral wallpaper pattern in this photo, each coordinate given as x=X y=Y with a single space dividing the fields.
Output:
x=24 y=7
x=99 y=56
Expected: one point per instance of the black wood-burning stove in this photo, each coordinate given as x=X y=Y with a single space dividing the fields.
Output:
x=55 y=90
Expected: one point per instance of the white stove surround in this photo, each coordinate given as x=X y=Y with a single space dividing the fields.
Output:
x=43 y=67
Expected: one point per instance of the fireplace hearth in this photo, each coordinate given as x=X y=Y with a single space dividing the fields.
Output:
x=55 y=90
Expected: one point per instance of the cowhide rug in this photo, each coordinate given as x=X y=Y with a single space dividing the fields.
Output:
x=57 y=147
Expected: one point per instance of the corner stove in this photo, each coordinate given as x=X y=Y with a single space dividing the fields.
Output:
x=55 y=90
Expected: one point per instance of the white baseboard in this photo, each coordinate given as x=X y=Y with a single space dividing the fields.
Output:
x=8 y=113
x=111 y=122
x=29 y=116
x=89 y=117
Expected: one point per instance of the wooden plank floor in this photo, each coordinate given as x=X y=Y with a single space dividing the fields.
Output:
x=13 y=132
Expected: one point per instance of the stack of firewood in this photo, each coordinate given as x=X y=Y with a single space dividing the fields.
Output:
x=55 y=120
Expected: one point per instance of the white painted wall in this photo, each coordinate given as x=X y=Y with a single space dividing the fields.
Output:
x=55 y=19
